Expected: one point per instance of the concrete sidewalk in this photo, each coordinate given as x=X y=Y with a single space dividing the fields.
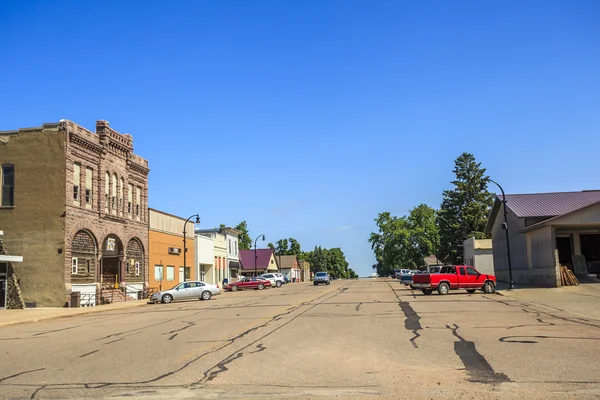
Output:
x=11 y=317
x=582 y=300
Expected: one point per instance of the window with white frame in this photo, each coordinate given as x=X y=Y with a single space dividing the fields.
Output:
x=74 y=265
x=170 y=272
x=8 y=185
x=88 y=187
x=76 y=184
x=137 y=268
x=158 y=273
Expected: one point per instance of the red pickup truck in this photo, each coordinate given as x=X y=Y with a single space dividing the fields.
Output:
x=455 y=277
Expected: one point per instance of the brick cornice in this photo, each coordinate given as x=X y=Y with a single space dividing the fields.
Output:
x=78 y=140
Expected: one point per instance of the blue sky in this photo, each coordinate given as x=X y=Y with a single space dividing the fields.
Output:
x=308 y=118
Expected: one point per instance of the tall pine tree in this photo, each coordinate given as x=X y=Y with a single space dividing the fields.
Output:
x=464 y=209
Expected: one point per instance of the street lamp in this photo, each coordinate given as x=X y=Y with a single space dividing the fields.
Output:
x=184 y=248
x=255 y=254
x=511 y=285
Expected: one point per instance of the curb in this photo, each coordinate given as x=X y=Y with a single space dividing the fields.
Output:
x=88 y=310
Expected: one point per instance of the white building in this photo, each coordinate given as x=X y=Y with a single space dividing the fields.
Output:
x=233 y=253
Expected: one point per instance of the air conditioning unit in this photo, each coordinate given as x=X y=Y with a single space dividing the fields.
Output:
x=174 y=250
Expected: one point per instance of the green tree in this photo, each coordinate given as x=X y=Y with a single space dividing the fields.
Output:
x=392 y=244
x=295 y=249
x=281 y=247
x=351 y=274
x=317 y=259
x=271 y=246
x=464 y=209
x=337 y=266
x=424 y=234
x=222 y=226
x=245 y=242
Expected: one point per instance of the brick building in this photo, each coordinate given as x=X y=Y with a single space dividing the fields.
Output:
x=75 y=203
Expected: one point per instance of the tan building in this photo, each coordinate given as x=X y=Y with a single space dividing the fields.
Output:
x=305 y=275
x=289 y=266
x=75 y=202
x=165 y=241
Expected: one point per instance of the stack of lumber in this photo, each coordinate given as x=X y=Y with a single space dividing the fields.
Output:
x=567 y=277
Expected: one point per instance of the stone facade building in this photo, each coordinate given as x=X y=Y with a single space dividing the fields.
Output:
x=76 y=204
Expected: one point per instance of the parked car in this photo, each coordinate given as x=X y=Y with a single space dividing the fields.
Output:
x=322 y=277
x=186 y=290
x=275 y=278
x=455 y=277
x=406 y=277
x=248 y=283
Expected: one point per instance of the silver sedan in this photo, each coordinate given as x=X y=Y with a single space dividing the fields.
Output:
x=187 y=290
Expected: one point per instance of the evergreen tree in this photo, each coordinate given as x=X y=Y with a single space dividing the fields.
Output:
x=464 y=209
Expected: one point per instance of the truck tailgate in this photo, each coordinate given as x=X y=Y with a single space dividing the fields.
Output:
x=421 y=278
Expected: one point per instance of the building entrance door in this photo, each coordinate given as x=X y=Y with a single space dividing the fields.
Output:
x=3 y=275
x=111 y=271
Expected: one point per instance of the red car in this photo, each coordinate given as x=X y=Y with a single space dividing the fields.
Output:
x=455 y=277
x=248 y=283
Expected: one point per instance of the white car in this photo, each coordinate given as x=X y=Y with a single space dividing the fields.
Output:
x=187 y=290
x=276 y=279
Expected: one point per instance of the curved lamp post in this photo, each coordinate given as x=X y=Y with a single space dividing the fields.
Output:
x=255 y=254
x=185 y=248
x=511 y=285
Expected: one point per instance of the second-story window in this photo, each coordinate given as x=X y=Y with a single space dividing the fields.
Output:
x=121 y=196
x=129 y=199
x=106 y=192
x=76 y=184
x=8 y=185
x=138 y=198
x=113 y=201
x=88 y=187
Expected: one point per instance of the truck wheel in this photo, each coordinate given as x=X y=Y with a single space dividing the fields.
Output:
x=488 y=288
x=471 y=291
x=427 y=292
x=444 y=288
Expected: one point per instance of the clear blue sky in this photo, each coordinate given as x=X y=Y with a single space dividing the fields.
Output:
x=308 y=118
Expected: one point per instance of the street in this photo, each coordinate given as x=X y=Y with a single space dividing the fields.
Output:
x=367 y=338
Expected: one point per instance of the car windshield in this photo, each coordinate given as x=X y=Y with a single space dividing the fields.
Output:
x=321 y=273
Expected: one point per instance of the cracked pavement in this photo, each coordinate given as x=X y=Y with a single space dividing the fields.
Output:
x=368 y=338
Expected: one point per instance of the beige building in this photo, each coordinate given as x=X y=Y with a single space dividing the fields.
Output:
x=75 y=204
x=478 y=253
x=546 y=231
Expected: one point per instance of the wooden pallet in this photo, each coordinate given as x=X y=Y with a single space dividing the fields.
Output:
x=567 y=277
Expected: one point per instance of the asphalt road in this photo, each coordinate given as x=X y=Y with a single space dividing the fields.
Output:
x=370 y=338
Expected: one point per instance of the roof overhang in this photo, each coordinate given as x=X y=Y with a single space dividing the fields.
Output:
x=493 y=215
x=4 y=258
x=556 y=220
